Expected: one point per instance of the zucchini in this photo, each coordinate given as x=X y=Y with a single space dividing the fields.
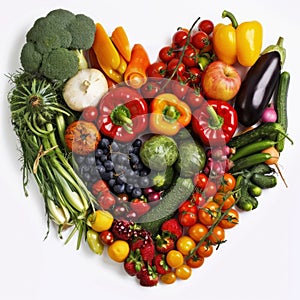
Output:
x=280 y=104
x=162 y=180
x=264 y=181
x=180 y=191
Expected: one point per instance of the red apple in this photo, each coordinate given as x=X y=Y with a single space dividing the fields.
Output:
x=220 y=81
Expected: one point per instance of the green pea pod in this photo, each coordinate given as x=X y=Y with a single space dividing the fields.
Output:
x=93 y=241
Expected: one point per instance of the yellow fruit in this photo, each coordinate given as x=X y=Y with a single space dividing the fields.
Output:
x=168 y=278
x=174 y=258
x=100 y=220
x=118 y=250
x=183 y=272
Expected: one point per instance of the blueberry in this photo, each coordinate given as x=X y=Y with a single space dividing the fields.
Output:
x=109 y=165
x=103 y=158
x=90 y=160
x=101 y=169
x=144 y=182
x=98 y=153
x=107 y=175
x=137 y=143
x=129 y=188
x=104 y=143
x=111 y=182
x=119 y=188
x=136 y=192
x=134 y=159
x=114 y=146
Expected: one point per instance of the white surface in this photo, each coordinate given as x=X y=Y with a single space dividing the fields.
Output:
x=260 y=260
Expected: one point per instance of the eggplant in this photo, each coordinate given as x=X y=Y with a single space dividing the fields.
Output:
x=259 y=85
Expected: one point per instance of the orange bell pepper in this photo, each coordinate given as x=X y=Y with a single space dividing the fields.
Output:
x=168 y=114
x=135 y=74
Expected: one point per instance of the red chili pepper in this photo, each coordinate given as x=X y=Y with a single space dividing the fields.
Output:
x=123 y=114
x=215 y=122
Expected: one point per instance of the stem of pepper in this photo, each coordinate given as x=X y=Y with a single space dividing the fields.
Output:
x=170 y=113
x=231 y=17
x=215 y=121
x=120 y=115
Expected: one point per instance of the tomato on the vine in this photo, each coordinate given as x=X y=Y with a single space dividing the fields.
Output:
x=217 y=236
x=225 y=201
x=198 y=199
x=180 y=89
x=150 y=89
x=207 y=26
x=227 y=183
x=185 y=244
x=90 y=114
x=195 y=261
x=180 y=38
x=210 y=189
x=187 y=218
x=166 y=54
x=200 y=40
x=197 y=231
x=205 y=250
x=200 y=181
x=175 y=64
x=230 y=220
x=190 y=57
x=157 y=69
x=194 y=99
x=209 y=213
x=194 y=75
x=188 y=206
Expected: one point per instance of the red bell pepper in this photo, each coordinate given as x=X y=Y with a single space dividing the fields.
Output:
x=123 y=114
x=215 y=122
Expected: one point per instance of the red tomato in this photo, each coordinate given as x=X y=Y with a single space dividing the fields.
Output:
x=194 y=99
x=90 y=114
x=217 y=236
x=194 y=75
x=175 y=64
x=187 y=218
x=157 y=69
x=180 y=89
x=195 y=261
x=188 y=206
x=150 y=89
x=106 y=237
x=210 y=189
x=166 y=54
x=180 y=38
x=190 y=57
x=207 y=26
x=200 y=180
x=230 y=220
x=198 y=199
x=205 y=250
x=200 y=40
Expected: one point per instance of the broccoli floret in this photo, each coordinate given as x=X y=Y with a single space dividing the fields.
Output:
x=60 y=29
x=59 y=64
x=83 y=31
x=30 y=58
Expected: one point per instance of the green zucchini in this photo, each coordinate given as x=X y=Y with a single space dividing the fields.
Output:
x=264 y=181
x=180 y=191
x=249 y=161
x=162 y=180
x=280 y=104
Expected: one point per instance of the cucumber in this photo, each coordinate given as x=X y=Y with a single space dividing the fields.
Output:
x=180 y=191
x=262 y=169
x=267 y=130
x=264 y=181
x=162 y=179
x=280 y=104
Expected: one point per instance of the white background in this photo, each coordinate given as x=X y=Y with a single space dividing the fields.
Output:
x=260 y=260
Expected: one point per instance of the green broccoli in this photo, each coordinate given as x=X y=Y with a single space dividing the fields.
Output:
x=59 y=30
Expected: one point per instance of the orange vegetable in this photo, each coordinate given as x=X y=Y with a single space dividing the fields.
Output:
x=135 y=74
x=120 y=40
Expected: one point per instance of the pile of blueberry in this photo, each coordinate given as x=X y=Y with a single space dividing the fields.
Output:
x=118 y=164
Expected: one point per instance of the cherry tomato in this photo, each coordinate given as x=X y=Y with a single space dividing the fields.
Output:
x=194 y=75
x=207 y=26
x=198 y=199
x=150 y=89
x=188 y=206
x=168 y=278
x=183 y=272
x=205 y=250
x=225 y=201
x=187 y=218
x=106 y=200
x=210 y=189
x=174 y=258
x=197 y=231
x=230 y=220
x=195 y=261
x=175 y=64
x=209 y=213
x=190 y=57
x=90 y=114
x=200 y=40
x=217 y=236
x=157 y=69
x=194 y=99
x=227 y=183
x=166 y=54
x=200 y=181
x=180 y=89
x=185 y=244
x=180 y=38
x=106 y=237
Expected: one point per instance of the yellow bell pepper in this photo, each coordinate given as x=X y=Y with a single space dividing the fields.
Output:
x=238 y=43
x=109 y=59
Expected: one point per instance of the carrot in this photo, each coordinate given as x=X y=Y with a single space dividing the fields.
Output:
x=274 y=160
x=135 y=74
x=121 y=42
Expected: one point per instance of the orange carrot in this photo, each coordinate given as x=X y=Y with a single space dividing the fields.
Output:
x=121 y=42
x=135 y=74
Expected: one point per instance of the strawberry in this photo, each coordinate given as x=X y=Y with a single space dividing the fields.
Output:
x=144 y=243
x=172 y=227
x=139 y=206
x=148 y=276
x=161 y=264
x=164 y=244
x=133 y=264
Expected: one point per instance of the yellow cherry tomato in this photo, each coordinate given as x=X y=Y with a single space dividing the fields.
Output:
x=174 y=258
x=183 y=272
x=100 y=220
x=168 y=278
x=185 y=244
x=118 y=250
x=197 y=231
